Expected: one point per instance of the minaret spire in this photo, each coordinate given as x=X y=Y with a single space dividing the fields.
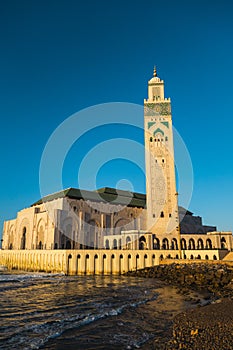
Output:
x=161 y=201
x=155 y=73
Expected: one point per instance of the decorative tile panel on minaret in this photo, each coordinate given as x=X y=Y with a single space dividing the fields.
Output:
x=162 y=208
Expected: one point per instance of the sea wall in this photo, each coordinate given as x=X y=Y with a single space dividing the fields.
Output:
x=91 y=262
x=79 y=262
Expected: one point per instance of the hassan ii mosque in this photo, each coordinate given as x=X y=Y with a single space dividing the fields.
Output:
x=111 y=231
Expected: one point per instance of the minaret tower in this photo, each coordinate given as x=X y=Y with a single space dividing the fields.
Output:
x=162 y=208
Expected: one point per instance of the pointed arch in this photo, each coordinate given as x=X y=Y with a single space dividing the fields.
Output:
x=158 y=131
x=40 y=234
x=208 y=244
x=165 y=244
x=183 y=244
x=142 y=243
x=24 y=231
x=174 y=244
x=223 y=243
x=23 y=238
x=200 y=244
x=191 y=244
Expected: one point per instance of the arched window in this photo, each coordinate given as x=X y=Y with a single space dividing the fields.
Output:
x=183 y=244
x=156 y=243
x=142 y=243
x=200 y=244
x=128 y=242
x=223 y=243
x=114 y=244
x=191 y=244
x=208 y=244
x=174 y=244
x=165 y=243
x=162 y=214
x=107 y=244
x=23 y=239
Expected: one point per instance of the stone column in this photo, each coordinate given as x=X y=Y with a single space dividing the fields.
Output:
x=81 y=236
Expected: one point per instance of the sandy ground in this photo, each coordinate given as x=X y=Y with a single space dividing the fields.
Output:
x=209 y=327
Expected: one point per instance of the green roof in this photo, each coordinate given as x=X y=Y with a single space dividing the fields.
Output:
x=106 y=194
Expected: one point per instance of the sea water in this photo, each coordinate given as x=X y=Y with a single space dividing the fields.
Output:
x=52 y=311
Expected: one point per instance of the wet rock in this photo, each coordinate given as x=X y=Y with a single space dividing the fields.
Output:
x=216 y=279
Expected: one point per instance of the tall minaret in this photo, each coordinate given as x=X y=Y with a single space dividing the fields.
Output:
x=162 y=208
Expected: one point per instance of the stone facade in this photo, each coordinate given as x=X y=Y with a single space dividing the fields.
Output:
x=162 y=206
x=71 y=223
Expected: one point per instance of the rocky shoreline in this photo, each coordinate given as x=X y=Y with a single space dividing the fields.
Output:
x=208 y=327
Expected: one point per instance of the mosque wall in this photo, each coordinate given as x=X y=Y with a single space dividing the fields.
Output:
x=93 y=262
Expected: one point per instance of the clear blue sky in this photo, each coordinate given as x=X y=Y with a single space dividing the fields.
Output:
x=58 y=57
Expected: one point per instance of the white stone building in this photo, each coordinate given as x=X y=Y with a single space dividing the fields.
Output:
x=110 y=219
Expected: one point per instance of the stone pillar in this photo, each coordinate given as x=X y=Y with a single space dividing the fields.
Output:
x=112 y=223
x=82 y=265
x=101 y=235
x=81 y=236
x=72 y=265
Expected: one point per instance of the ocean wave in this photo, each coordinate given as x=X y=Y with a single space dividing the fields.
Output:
x=37 y=335
x=24 y=277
